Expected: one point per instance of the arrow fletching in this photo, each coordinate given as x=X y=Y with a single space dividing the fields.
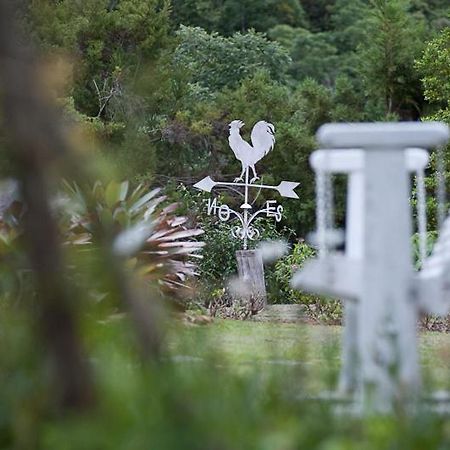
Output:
x=206 y=184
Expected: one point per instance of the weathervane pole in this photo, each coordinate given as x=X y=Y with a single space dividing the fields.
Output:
x=245 y=206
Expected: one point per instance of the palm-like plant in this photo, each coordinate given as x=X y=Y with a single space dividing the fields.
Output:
x=156 y=243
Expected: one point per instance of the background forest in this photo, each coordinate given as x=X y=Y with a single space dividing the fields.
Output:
x=155 y=83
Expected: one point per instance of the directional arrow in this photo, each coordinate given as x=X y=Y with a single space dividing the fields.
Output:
x=285 y=188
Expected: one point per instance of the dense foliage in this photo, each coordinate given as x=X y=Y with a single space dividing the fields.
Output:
x=157 y=82
x=165 y=79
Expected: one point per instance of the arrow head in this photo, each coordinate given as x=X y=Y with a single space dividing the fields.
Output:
x=206 y=184
x=286 y=189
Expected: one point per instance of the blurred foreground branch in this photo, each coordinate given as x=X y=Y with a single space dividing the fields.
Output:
x=34 y=135
x=40 y=149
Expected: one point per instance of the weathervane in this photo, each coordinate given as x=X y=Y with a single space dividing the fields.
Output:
x=263 y=141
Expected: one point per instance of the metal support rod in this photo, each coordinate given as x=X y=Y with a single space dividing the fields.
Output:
x=246 y=224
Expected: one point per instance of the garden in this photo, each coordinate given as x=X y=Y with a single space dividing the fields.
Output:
x=128 y=192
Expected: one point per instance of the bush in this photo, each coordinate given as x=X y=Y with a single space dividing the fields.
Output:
x=318 y=308
x=285 y=269
x=156 y=243
x=431 y=240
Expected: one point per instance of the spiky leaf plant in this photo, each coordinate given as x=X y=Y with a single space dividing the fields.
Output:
x=156 y=243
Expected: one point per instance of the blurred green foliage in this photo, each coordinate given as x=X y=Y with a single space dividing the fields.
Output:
x=198 y=398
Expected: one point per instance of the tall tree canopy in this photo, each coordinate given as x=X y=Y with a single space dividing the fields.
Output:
x=157 y=81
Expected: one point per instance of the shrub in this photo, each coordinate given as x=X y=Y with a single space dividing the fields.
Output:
x=285 y=269
x=156 y=243
x=431 y=239
x=318 y=308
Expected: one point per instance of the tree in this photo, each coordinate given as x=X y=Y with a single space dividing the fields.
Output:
x=325 y=55
x=111 y=45
x=348 y=19
x=215 y=62
x=313 y=54
x=436 y=12
x=348 y=104
x=229 y=16
x=434 y=68
x=386 y=59
x=318 y=14
x=108 y=39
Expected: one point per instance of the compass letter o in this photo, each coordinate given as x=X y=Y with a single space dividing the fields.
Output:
x=224 y=213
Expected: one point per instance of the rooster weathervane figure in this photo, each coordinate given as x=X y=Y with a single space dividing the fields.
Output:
x=263 y=141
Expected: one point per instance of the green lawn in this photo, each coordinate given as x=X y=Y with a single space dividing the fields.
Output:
x=232 y=385
x=287 y=349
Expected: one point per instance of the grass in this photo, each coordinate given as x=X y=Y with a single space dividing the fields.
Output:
x=233 y=385
x=245 y=346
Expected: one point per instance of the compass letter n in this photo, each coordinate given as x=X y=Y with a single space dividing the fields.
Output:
x=212 y=206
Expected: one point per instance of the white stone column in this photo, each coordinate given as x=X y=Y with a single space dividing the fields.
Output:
x=387 y=339
x=349 y=379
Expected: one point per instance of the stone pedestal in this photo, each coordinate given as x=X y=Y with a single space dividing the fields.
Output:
x=386 y=312
x=380 y=357
x=251 y=272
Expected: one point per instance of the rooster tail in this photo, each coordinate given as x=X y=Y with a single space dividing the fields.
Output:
x=263 y=137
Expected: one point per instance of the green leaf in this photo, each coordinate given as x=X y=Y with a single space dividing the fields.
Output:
x=112 y=193
x=143 y=200
x=123 y=190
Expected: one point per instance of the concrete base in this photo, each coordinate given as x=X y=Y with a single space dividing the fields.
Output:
x=251 y=272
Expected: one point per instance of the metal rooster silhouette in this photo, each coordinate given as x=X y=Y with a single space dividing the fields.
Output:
x=263 y=140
